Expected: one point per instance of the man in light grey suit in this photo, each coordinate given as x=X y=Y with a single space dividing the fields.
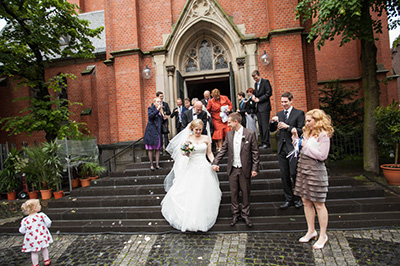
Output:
x=242 y=148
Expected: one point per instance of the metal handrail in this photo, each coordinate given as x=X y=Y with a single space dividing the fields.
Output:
x=121 y=151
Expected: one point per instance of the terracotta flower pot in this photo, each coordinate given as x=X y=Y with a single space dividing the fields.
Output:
x=11 y=195
x=46 y=194
x=58 y=194
x=75 y=183
x=93 y=177
x=85 y=182
x=33 y=194
x=391 y=174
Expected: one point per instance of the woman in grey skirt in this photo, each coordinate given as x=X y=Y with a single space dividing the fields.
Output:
x=312 y=177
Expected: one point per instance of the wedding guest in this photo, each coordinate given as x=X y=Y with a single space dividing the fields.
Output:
x=194 y=100
x=187 y=103
x=35 y=227
x=262 y=93
x=178 y=113
x=206 y=98
x=152 y=135
x=165 y=123
x=195 y=113
x=251 y=110
x=219 y=107
x=284 y=121
x=312 y=177
x=242 y=107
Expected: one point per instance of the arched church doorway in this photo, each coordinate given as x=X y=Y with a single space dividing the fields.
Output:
x=205 y=65
x=196 y=88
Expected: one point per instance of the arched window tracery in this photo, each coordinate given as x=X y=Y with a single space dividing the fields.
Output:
x=205 y=55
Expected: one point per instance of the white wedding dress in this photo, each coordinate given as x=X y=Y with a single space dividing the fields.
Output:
x=192 y=202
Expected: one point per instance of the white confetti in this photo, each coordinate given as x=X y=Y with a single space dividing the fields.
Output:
x=147 y=238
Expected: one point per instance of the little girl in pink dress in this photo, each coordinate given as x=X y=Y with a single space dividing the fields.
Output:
x=37 y=236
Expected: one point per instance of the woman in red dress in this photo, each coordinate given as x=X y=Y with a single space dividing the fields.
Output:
x=219 y=118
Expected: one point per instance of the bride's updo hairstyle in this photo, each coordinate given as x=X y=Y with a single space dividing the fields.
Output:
x=196 y=123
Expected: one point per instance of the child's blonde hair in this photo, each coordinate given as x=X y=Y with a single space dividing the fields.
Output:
x=30 y=206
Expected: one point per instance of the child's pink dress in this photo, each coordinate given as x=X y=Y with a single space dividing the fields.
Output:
x=37 y=236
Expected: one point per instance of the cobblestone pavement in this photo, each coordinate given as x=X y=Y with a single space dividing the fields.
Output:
x=365 y=247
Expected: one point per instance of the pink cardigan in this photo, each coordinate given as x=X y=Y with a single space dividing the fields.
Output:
x=316 y=148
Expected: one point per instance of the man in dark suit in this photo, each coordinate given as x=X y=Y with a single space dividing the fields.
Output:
x=262 y=93
x=207 y=97
x=167 y=112
x=195 y=113
x=243 y=159
x=178 y=113
x=287 y=121
x=242 y=107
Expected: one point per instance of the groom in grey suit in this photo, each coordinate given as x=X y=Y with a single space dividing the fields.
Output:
x=243 y=159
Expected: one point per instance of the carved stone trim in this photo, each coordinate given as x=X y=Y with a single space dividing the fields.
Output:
x=170 y=70
x=241 y=61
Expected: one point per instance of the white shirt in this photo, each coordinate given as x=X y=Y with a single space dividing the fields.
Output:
x=288 y=111
x=237 y=142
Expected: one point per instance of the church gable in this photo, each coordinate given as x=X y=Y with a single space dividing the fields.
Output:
x=196 y=11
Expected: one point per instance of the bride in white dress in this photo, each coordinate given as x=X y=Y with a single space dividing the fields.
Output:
x=193 y=194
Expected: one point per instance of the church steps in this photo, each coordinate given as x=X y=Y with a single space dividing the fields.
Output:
x=133 y=168
x=118 y=199
x=256 y=182
x=257 y=209
x=270 y=223
x=134 y=196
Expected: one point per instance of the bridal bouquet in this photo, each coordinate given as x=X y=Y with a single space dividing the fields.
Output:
x=186 y=148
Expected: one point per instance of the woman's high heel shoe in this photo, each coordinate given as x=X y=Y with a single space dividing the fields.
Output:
x=305 y=239
x=322 y=245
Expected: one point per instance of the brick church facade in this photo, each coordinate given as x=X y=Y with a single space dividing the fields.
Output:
x=190 y=46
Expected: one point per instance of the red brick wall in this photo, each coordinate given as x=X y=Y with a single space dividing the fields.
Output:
x=119 y=96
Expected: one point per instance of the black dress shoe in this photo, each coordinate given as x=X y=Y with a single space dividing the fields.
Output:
x=234 y=220
x=286 y=205
x=263 y=146
x=298 y=204
x=247 y=221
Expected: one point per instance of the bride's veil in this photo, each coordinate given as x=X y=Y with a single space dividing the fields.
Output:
x=180 y=161
x=174 y=148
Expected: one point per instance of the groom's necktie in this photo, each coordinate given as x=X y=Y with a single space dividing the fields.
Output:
x=286 y=115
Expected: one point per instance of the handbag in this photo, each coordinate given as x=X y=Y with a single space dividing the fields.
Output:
x=164 y=128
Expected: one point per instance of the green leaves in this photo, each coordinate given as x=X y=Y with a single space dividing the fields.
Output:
x=351 y=19
x=29 y=41
x=50 y=114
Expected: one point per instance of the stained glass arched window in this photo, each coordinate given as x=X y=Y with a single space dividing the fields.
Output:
x=205 y=54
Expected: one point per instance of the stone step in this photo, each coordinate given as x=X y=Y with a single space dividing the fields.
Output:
x=267 y=223
x=136 y=189
x=167 y=166
x=222 y=175
x=257 y=209
x=165 y=156
x=149 y=180
x=125 y=196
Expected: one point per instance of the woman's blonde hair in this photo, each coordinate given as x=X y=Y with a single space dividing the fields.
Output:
x=196 y=123
x=30 y=206
x=215 y=93
x=323 y=122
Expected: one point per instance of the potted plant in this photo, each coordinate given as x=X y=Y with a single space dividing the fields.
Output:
x=32 y=186
x=93 y=170
x=54 y=168
x=388 y=133
x=9 y=177
x=45 y=167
